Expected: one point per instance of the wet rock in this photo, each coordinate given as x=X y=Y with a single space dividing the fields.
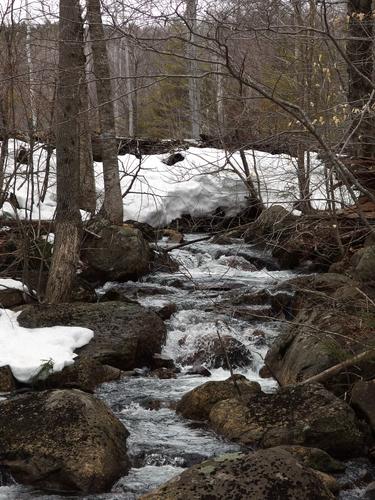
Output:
x=264 y=372
x=162 y=262
x=84 y=374
x=197 y=404
x=213 y=352
x=237 y=262
x=7 y=381
x=306 y=415
x=119 y=253
x=165 y=312
x=63 y=440
x=125 y=335
x=117 y=294
x=141 y=372
x=161 y=361
x=263 y=475
x=363 y=399
x=259 y=337
x=199 y=370
x=164 y=373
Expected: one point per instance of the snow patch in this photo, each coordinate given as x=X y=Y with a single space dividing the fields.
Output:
x=28 y=350
x=9 y=283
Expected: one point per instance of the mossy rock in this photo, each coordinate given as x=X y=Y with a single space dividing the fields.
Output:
x=264 y=475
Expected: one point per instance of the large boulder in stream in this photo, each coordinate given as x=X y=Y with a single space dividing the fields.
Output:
x=126 y=335
x=332 y=319
x=305 y=415
x=62 y=440
x=266 y=474
x=215 y=352
x=115 y=253
x=197 y=403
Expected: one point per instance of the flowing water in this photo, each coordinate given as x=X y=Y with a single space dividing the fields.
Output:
x=205 y=290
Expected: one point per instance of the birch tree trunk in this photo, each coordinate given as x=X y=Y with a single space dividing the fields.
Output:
x=68 y=220
x=112 y=208
x=191 y=52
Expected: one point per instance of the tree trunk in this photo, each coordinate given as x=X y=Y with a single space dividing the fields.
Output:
x=359 y=51
x=191 y=52
x=129 y=88
x=87 y=176
x=112 y=208
x=68 y=220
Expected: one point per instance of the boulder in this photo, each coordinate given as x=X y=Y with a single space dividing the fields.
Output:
x=162 y=361
x=314 y=458
x=117 y=253
x=331 y=320
x=126 y=335
x=62 y=440
x=149 y=233
x=197 y=403
x=263 y=475
x=199 y=370
x=363 y=399
x=213 y=352
x=84 y=374
x=305 y=415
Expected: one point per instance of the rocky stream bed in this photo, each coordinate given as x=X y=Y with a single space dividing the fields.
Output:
x=207 y=295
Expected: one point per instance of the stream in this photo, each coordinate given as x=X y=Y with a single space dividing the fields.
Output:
x=210 y=280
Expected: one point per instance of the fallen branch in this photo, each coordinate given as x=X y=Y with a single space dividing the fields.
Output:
x=335 y=370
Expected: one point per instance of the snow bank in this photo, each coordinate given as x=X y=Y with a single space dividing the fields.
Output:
x=205 y=180
x=27 y=350
x=6 y=283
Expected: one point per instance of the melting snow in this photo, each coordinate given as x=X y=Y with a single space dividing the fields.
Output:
x=204 y=181
x=27 y=350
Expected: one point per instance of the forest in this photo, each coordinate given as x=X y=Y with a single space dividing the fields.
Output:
x=187 y=249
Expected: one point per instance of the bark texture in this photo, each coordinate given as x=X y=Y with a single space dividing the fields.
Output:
x=191 y=53
x=68 y=219
x=112 y=208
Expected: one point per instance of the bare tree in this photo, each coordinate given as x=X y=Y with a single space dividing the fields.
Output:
x=112 y=208
x=87 y=177
x=194 y=93
x=68 y=220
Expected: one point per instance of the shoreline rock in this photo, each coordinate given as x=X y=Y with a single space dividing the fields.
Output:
x=62 y=440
